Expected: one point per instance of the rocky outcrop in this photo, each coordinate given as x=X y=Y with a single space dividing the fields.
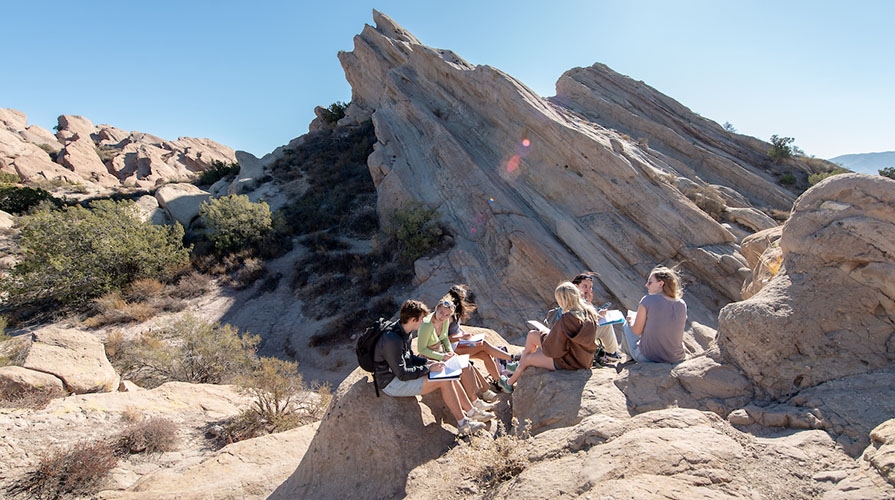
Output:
x=366 y=446
x=181 y=201
x=76 y=357
x=534 y=190
x=830 y=311
x=99 y=157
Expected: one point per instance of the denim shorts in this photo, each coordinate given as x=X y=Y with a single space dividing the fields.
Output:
x=404 y=388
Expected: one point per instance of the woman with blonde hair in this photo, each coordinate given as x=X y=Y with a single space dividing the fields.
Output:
x=433 y=343
x=658 y=331
x=569 y=345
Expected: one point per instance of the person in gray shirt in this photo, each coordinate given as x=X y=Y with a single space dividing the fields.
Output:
x=657 y=332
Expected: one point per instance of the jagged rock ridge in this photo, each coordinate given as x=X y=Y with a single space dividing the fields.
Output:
x=534 y=190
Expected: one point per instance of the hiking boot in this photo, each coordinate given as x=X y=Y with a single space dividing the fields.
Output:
x=488 y=395
x=505 y=385
x=469 y=427
x=483 y=405
x=511 y=367
x=610 y=357
x=479 y=415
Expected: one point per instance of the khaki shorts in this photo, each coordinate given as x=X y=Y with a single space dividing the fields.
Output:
x=404 y=388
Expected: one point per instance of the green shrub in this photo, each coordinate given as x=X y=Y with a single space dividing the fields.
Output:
x=186 y=349
x=815 y=178
x=335 y=112
x=415 y=230
x=781 y=148
x=73 y=255
x=887 y=172
x=76 y=471
x=9 y=178
x=235 y=223
x=217 y=171
x=787 y=179
x=20 y=200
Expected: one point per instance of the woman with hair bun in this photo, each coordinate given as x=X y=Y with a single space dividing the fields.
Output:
x=658 y=331
x=481 y=350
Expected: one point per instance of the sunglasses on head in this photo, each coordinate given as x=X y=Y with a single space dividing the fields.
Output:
x=447 y=303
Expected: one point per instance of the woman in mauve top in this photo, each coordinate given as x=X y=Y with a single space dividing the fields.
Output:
x=658 y=331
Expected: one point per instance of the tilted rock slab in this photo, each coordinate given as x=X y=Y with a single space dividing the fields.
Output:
x=75 y=356
x=830 y=311
x=531 y=191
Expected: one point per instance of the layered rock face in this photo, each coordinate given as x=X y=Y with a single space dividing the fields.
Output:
x=100 y=156
x=534 y=190
x=830 y=310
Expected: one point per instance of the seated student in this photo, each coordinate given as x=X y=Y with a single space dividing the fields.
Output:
x=400 y=373
x=433 y=343
x=658 y=331
x=569 y=345
x=481 y=350
x=605 y=333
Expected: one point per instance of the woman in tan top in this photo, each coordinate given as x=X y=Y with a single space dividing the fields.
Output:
x=569 y=345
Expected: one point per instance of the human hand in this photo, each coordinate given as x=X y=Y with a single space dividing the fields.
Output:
x=438 y=366
x=447 y=356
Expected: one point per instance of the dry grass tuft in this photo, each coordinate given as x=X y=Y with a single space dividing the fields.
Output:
x=76 y=471
x=492 y=460
x=152 y=435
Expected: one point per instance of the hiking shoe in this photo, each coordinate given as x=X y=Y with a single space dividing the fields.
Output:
x=488 y=395
x=610 y=357
x=511 y=367
x=483 y=405
x=479 y=415
x=469 y=427
x=505 y=384
x=515 y=357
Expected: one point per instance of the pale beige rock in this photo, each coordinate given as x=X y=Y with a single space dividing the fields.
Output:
x=181 y=201
x=751 y=218
x=14 y=379
x=71 y=126
x=243 y=470
x=80 y=155
x=76 y=357
x=881 y=453
x=379 y=440
x=829 y=313
x=6 y=220
x=763 y=253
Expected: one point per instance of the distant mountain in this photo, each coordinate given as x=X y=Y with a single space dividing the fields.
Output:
x=866 y=163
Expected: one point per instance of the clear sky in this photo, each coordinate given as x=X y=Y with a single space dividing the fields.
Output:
x=249 y=73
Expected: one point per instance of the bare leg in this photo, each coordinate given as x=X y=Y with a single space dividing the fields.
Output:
x=448 y=394
x=467 y=380
x=489 y=363
x=534 y=359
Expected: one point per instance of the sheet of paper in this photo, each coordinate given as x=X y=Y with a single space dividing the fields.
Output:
x=452 y=368
x=537 y=325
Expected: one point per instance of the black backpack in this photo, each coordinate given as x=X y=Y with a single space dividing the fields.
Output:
x=366 y=344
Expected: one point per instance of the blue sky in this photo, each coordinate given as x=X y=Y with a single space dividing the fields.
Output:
x=248 y=74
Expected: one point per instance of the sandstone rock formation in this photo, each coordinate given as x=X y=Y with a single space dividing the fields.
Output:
x=534 y=190
x=74 y=358
x=830 y=311
x=99 y=157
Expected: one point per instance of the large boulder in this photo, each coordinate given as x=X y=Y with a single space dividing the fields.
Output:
x=830 y=311
x=367 y=446
x=16 y=379
x=78 y=358
x=181 y=201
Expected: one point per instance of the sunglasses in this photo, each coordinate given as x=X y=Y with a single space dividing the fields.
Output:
x=447 y=303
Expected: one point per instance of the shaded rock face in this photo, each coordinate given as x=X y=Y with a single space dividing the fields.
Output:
x=830 y=311
x=100 y=156
x=366 y=446
x=533 y=191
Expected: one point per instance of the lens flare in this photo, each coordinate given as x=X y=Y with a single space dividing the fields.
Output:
x=526 y=143
x=513 y=163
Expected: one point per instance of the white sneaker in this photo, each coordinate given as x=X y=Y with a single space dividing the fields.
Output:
x=481 y=404
x=469 y=427
x=479 y=415
x=489 y=396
